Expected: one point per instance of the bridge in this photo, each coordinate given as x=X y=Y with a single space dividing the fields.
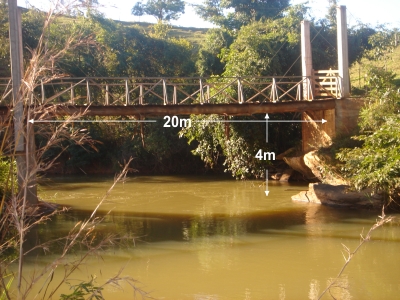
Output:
x=153 y=96
x=316 y=94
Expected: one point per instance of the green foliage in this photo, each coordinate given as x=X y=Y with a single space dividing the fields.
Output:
x=5 y=176
x=4 y=41
x=208 y=137
x=232 y=14
x=84 y=290
x=261 y=48
x=376 y=164
x=32 y=26
x=331 y=14
x=382 y=43
x=160 y=30
x=383 y=98
x=162 y=10
x=236 y=144
x=266 y=48
x=209 y=62
x=3 y=295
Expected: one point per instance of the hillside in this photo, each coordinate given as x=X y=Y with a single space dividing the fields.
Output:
x=358 y=71
x=192 y=34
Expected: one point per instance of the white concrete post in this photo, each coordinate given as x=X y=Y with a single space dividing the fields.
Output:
x=343 y=52
x=306 y=60
x=23 y=136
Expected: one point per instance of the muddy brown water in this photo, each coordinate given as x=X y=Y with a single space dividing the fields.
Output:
x=213 y=238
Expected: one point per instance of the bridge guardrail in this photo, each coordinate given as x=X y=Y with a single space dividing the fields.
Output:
x=178 y=90
x=5 y=91
x=327 y=83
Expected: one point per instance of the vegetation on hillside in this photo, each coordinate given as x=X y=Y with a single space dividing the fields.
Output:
x=375 y=164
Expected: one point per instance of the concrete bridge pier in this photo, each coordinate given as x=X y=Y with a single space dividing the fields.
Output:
x=341 y=121
x=24 y=138
x=343 y=118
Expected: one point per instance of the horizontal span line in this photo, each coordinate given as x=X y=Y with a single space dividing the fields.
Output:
x=260 y=121
x=92 y=121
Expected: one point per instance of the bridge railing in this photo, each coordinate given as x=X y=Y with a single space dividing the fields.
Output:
x=5 y=91
x=176 y=91
x=327 y=83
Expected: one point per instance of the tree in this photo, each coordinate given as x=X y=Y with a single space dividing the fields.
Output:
x=261 y=48
x=235 y=13
x=4 y=43
x=89 y=6
x=266 y=48
x=376 y=163
x=162 y=10
x=209 y=61
x=331 y=14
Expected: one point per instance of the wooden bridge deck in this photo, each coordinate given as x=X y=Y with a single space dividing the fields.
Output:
x=197 y=109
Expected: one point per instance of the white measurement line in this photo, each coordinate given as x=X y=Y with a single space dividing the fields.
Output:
x=266 y=127
x=266 y=183
x=261 y=121
x=91 y=121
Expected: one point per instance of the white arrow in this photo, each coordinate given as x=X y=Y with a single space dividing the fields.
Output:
x=91 y=121
x=266 y=127
x=266 y=183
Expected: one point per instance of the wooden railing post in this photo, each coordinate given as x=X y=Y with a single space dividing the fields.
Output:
x=240 y=92
x=141 y=94
x=127 y=92
x=107 y=95
x=311 y=89
x=298 y=93
x=42 y=91
x=274 y=91
x=201 y=92
x=87 y=91
x=165 y=92
x=72 y=94
x=175 y=96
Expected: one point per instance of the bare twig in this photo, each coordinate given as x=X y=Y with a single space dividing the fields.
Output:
x=348 y=254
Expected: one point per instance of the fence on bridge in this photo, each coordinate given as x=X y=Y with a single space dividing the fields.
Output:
x=175 y=91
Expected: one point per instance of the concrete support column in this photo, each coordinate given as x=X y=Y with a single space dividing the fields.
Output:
x=343 y=50
x=306 y=60
x=24 y=138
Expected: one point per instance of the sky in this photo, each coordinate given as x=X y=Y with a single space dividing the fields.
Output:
x=370 y=12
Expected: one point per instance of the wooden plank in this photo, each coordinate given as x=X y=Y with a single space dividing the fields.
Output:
x=326 y=71
x=220 y=109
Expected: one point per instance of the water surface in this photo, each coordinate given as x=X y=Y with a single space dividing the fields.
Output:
x=212 y=238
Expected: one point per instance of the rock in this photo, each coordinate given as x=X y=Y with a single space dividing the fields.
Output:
x=338 y=195
x=321 y=170
x=284 y=154
x=286 y=175
x=276 y=176
x=297 y=163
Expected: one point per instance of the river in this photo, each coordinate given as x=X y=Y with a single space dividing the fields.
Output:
x=216 y=238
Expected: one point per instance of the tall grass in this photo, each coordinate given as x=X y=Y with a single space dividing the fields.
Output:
x=17 y=217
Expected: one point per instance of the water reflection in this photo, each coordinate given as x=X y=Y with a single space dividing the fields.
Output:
x=197 y=238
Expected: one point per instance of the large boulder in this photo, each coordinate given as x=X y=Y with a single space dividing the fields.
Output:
x=297 y=164
x=322 y=170
x=338 y=195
